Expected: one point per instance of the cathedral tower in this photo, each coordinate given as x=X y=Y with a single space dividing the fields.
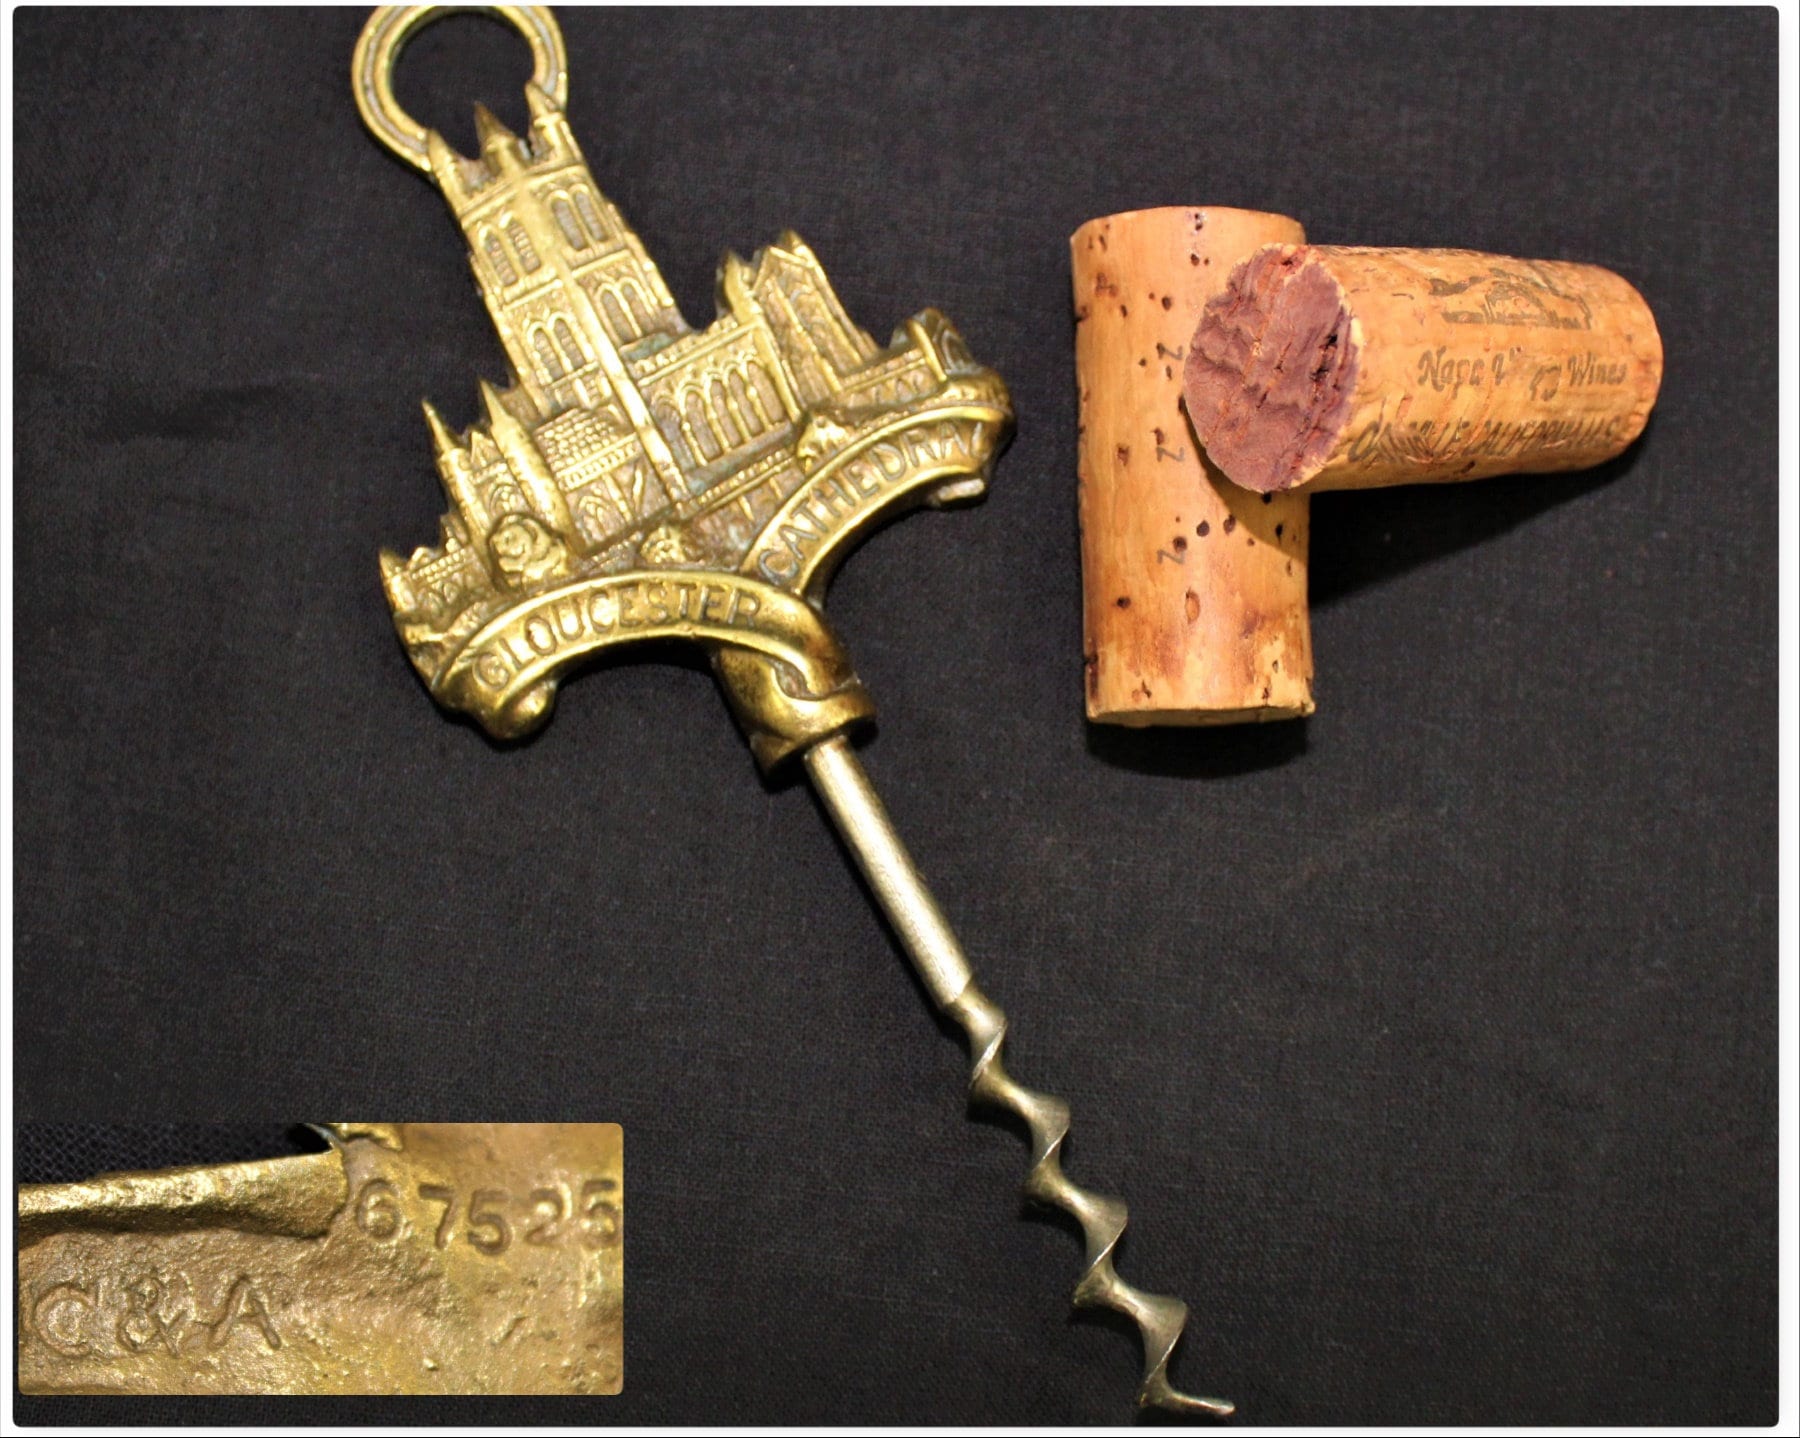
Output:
x=568 y=284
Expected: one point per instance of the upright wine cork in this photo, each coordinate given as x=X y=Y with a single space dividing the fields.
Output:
x=1347 y=368
x=1194 y=591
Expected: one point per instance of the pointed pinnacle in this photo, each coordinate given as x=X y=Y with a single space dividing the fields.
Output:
x=542 y=107
x=497 y=412
x=441 y=436
x=445 y=163
x=490 y=132
x=734 y=277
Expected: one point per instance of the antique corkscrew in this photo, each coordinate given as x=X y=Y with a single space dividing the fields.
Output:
x=643 y=480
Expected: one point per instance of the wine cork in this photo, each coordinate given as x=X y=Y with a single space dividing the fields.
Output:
x=1194 y=591
x=1336 y=367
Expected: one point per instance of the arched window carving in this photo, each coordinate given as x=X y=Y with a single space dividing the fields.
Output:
x=704 y=438
x=521 y=243
x=599 y=513
x=723 y=419
x=615 y=316
x=744 y=405
x=638 y=310
x=808 y=376
x=590 y=216
x=546 y=356
x=565 y=221
x=823 y=330
x=670 y=424
x=766 y=392
x=496 y=255
x=569 y=345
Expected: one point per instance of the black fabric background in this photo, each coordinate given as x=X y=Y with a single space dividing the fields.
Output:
x=1432 y=1041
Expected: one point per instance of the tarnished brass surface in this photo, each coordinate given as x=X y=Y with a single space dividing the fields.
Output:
x=640 y=479
x=297 y=1197
x=411 y=1258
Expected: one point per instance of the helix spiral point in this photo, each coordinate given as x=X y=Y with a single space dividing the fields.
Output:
x=1159 y=1318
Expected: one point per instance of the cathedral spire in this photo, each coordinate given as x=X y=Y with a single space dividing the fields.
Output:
x=529 y=467
x=457 y=476
x=442 y=440
x=542 y=107
x=497 y=412
x=550 y=136
x=499 y=146
x=446 y=168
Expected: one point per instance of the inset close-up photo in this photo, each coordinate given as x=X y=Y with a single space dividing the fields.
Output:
x=399 y=1258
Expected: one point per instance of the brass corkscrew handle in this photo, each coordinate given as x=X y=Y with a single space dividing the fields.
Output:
x=939 y=959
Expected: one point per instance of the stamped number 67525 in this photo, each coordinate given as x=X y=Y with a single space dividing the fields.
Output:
x=486 y=1226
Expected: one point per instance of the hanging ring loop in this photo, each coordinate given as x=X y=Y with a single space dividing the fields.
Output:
x=386 y=34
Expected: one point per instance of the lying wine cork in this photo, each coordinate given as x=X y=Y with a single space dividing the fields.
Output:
x=1349 y=368
x=1194 y=591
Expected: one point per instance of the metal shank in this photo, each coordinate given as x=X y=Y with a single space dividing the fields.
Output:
x=925 y=935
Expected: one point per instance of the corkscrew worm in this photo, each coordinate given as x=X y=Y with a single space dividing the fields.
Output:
x=925 y=934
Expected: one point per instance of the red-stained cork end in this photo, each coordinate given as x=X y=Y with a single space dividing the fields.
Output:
x=1271 y=371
